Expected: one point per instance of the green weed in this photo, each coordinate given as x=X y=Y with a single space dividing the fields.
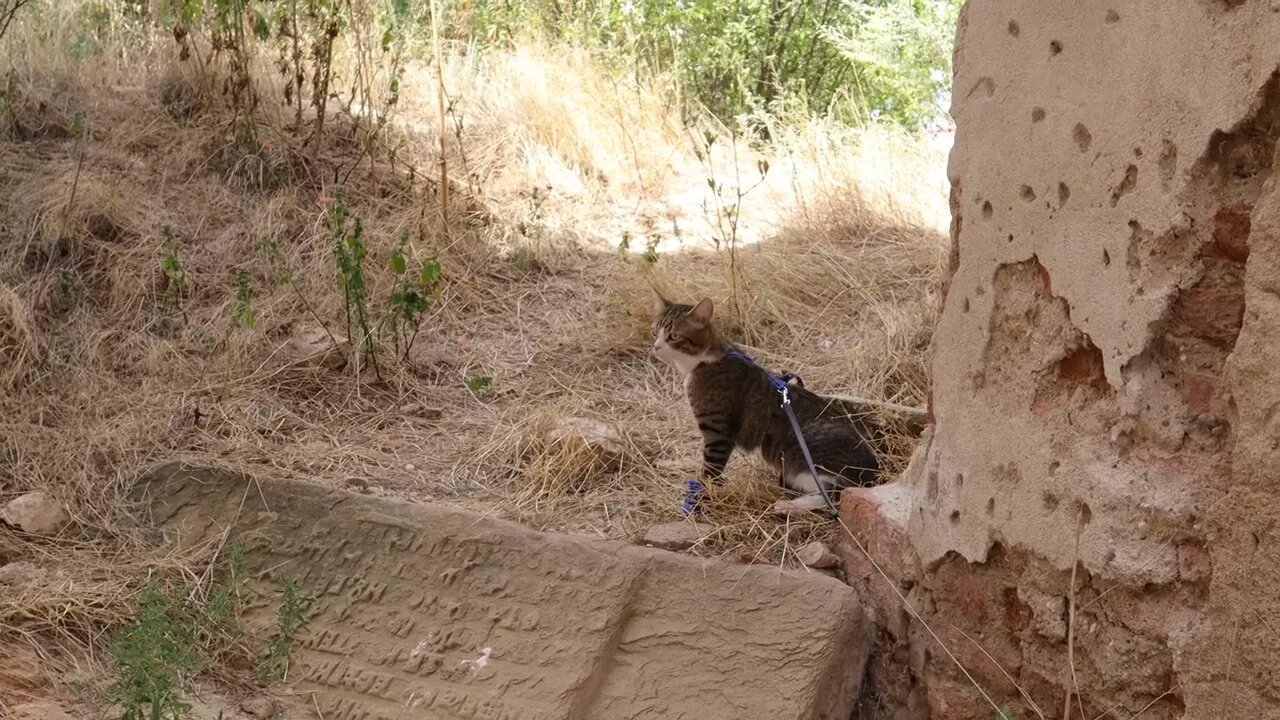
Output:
x=349 y=254
x=155 y=655
x=243 y=314
x=411 y=298
x=177 y=281
x=290 y=623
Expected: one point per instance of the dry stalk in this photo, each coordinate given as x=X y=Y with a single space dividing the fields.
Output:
x=441 y=107
x=1071 y=626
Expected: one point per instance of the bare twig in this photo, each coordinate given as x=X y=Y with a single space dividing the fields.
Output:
x=6 y=16
x=444 y=161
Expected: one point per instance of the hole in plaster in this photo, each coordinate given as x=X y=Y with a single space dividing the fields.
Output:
x=1106 y=257
x=1082 y=136
x=1112 y=18
x=1127 y=184
x=931 y=492
x=964 y=306
x=1137 y=152
x=987 y=210
x=955 y=517
x=985 y=85
x=1027 y=193
x=1168 y=160
x=1010 y=237
x=1051 y=502
x=1055 y=47
x=1064 y=193
x=991 y=506
x=1037 y=114
x=959 y=480
x=1013 y=28
x=1085 y=514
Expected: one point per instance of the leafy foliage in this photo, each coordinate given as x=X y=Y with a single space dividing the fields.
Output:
x=154 y=656
x=886 y=60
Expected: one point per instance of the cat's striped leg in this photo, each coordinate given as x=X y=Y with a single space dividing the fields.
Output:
x=717 y=446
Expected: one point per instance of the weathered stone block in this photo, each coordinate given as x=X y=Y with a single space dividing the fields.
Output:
x=426 y=611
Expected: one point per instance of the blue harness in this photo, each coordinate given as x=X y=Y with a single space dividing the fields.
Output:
x=780 y=383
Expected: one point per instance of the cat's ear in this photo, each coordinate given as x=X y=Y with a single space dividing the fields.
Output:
x=700 y=315
x=660 y=303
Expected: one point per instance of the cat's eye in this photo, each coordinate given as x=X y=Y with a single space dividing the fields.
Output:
x=673 y=338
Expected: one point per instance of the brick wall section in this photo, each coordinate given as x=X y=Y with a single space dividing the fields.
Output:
x=1089 y=526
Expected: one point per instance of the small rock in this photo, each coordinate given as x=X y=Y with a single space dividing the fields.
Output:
x=258 y=706
x=1048 y=613
x=597 y=437
x=315 y=348
x=817 y=555
x=676 y=536
x=37 y=513
x=18 y=573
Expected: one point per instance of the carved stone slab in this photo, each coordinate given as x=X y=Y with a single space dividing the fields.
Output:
x=425 y=611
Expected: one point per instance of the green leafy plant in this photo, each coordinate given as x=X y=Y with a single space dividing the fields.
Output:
x=243 y=314
x=857 y=59
x=1005 y=713
x=154 y=655
x=476 y=384
x=174 y=634
x=410 y=299
x=177 y=281
x=291 y=621
x=349 y=253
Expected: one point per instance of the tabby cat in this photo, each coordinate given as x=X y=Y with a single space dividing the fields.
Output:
x=737 y=406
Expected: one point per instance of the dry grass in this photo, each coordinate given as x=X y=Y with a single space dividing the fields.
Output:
x=106 y=371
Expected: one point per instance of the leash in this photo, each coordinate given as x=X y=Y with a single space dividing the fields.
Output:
x=780 y=383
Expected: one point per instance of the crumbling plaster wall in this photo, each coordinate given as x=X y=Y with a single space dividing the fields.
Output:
x=1106 y=372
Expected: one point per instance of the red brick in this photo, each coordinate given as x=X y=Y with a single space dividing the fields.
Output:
x=1213 y=314
x=951 y=700
x=991 y=656
x=882 y=532
x=1199 y=390
x=1045 y=281
x=1084 y=366
x=1017 y=614
x=1231 y=227
x=878 y=517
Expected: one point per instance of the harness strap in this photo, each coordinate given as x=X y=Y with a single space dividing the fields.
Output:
x=780 y=383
